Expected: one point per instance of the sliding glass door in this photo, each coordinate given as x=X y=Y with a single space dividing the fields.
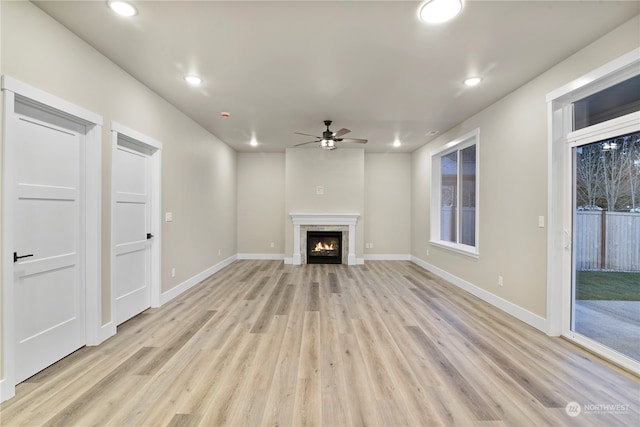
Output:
x=605 y=302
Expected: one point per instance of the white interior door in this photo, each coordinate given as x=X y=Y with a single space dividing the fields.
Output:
x=133 y=240
x=49 y=295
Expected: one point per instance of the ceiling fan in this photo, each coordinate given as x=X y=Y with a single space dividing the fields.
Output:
x=328 y=139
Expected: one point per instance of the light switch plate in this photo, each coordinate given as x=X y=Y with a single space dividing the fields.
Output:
x=168 y=216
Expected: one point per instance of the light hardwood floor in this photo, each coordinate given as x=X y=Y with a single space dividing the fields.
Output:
x=385 y=344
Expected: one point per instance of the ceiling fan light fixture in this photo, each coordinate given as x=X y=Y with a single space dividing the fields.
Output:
x=122 y=8
x=438 y=11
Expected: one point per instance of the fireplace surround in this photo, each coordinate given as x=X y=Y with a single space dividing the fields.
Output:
x=324 y=222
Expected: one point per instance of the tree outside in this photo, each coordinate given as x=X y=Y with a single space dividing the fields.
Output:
x=607 y=243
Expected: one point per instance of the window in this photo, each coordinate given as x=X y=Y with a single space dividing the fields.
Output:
x=454 y=195
x=614 y=101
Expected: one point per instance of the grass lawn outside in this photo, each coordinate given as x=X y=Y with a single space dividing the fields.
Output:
x=607 y=286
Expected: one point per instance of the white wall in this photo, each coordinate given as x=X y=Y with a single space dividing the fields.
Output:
x=261 y=201
x=383 y=187
x=341 y=174
x=513 y=182
x=387 y=204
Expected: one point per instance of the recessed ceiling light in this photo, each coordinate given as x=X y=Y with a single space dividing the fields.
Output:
x=431 y=133
x=397 y=143
x=122 y=8
x=253 y=142
x=225 y=115
x=437 y=11
x=472 y=81
x=193 y=80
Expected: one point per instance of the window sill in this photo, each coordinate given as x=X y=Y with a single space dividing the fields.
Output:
x=469 y=251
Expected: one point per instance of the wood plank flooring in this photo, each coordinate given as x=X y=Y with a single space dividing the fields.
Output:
x=385 y=344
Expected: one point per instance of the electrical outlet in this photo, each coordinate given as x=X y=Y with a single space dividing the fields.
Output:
x=371 y=245
x=273 y=245
x=427 y=252
x=173 y=272
x=500 y=282
x=168 y=216
x=219 y=252
x=541 y=221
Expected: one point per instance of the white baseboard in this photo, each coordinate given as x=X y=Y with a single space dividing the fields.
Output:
x=167 y=296
x=262 y=256
x=7 y=391
x=105 y=332
x=387 y=257
x=516 y=311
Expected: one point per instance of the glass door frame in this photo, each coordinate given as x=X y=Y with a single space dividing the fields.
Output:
x=561 y=141
x=603 y=131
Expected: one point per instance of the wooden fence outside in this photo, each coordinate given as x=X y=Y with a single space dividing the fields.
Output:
x=607 y=241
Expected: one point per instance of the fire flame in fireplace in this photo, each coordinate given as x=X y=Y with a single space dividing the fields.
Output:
x=322 y=246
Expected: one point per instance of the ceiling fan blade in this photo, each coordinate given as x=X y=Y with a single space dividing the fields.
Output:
x=341 y=132
x=306 y=134
x=358 y=140
x=305 y=143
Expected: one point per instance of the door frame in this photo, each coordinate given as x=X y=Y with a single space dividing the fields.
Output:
x=561 y=138
x=153 y=150
x=90 y=216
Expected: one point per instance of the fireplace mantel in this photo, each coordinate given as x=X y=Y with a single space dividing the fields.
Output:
x=349 y=220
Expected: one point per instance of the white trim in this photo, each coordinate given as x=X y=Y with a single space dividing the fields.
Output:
x=387 y=257
x=455 y=145
x=609 y=129
x=611 y=73
x=514 y=310
x=132 y=133
x=261 y=256
x=153 y=149
x=7 y=391
x=106 y=331
x=465 y=250
x=91 y=232
x=467 y=140
x=23 y=89
x=619 y=359
x=167 y=296
x=349 y=220
x=560 y=138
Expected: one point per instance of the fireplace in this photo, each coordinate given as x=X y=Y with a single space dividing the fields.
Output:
x=324 y=247
x=304 y=222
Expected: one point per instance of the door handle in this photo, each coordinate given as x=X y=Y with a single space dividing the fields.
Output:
x=149 y=235
x=567 y=239
x=16 y=257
